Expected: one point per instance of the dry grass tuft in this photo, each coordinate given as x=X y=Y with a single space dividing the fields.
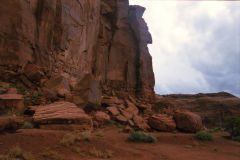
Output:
x=101 y=154
x=17 y=153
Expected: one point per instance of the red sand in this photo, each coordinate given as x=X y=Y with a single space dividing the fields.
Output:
x=170 y=146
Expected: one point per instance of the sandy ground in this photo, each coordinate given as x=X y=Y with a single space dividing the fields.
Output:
x=170 y=146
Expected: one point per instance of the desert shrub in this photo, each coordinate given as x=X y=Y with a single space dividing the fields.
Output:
x=140 y=136
x=69 y=139
x=101 y=154
x=86 y=135
x=100 y=134
x=27 y=125
x=17 y=153
x=232 y=125
x=236 y=138
x=204 y=136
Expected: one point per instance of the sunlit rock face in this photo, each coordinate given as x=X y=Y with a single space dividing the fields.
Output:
x=97 y=47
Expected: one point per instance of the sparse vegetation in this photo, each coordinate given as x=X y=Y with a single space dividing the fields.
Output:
x=53 y=155
x=101 y=154
x=100 y=134
x=17 y=153
x=69 y=139
x=204 y=136
x=6 y=114
x=139 y=136
x=36 y=95
x=188 y=146
x=158 y=110
x=111 y=122
x=86 y=135
x=27 y=99
x=1 y=86
x=232 y=125
x=118 y=114
x=174 y=132
x=119 y=125
x=13 y=85
x=236 y=138
x=27 y=125
x=21 y=90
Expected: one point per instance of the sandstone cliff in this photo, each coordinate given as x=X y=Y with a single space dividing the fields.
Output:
x=79 y=49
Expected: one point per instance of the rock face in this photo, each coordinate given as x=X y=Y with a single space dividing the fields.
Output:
x=98 y=47
x=212 y=108
x=188 y=121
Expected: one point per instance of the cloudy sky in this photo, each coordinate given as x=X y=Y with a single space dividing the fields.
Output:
x=196 y=45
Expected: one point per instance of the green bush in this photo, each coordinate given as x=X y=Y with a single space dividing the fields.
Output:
x=27 y=125
x=236 y=138
x=140 y=136
x=204 y=136
x=232 y=125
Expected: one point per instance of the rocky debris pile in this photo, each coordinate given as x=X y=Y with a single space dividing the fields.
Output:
x=125 y=112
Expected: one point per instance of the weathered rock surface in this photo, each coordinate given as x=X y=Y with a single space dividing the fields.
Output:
x=13 y=103
x=140 y=123
x=98 y=46
x=212 y=108
x=162 y=122
x=61 y=113
x=10 y=123
x=188 y=121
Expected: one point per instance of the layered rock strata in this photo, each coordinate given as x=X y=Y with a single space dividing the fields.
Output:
x=96 y=47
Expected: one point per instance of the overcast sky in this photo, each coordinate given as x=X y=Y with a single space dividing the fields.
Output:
x=196 y=45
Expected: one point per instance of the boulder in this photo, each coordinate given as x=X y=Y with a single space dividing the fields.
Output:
x=121 y=118
x=131 y=108
x=188 y=121
x=111 y=101
x=101 y=117
x=59 y=85
x=113 y=110
x=127 y=129
x=162 y=122
x=86 y=92
x=140 y=123
x=11 y=103
x=61 y=113
x=33 y=72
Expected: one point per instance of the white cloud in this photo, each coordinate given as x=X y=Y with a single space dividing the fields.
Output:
x=195 y=45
